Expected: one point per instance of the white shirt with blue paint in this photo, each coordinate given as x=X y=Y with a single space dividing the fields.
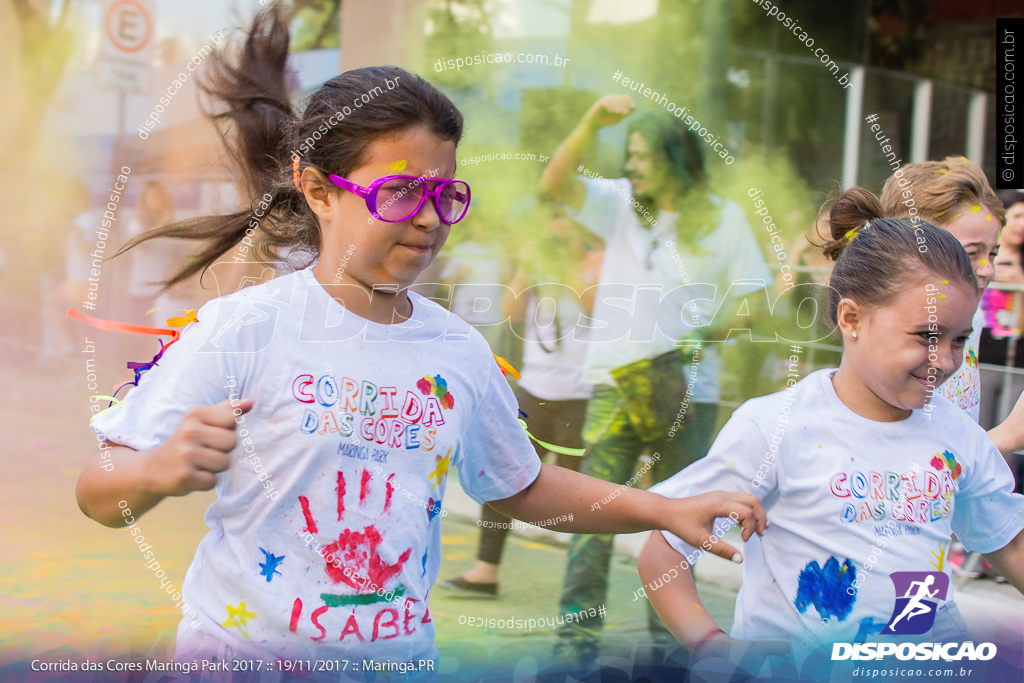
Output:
x=850 y=501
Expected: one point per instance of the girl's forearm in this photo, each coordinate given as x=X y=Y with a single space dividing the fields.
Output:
x=1009 y=561
x=1007 y=436
x=106 y=482
x=675 y=600
x=558 y=492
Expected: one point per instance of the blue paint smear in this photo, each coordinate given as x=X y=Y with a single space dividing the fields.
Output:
x=433 y=509
x=424 y=563
x=868 y=627
x=269 y=565
x=826 y=588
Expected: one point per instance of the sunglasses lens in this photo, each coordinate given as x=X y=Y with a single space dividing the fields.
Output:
x=398 y=199
x=453 y=201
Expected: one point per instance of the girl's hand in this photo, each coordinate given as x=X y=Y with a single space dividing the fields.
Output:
x=609 y=110
x=197 y=450
x=693 y=519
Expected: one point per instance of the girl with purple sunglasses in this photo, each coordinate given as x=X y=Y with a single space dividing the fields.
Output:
x=328 y=417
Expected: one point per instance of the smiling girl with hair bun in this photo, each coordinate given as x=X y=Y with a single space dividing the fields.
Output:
x=846 y=452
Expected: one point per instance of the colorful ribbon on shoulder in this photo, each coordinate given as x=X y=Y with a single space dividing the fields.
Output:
x=507 y=369
x=130 y=328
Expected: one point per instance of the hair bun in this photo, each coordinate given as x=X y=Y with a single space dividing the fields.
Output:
x=849 y=213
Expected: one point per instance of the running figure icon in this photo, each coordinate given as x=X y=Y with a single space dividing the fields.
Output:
x=918 y=595
x=916 y=607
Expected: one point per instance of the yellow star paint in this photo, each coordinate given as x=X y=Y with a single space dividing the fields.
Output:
x=237 y=618
x=441 y=470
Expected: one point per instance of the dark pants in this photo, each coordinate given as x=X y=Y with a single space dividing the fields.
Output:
x=613 y=447
x=557 y=422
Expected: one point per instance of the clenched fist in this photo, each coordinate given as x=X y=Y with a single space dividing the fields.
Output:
x=197 y=450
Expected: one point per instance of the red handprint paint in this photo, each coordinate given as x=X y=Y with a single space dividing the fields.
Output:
x=358 y=553
x=364 y=487
x=353 y=559
x=341 y=495
x=310 y=522
x=389 y=491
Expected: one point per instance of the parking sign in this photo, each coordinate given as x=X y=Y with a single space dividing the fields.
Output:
x=127 y=48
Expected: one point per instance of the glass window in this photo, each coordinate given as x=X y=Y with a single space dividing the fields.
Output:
x=891 y=97
x=948 y=131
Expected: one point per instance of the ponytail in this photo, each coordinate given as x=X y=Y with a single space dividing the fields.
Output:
x=248 y=99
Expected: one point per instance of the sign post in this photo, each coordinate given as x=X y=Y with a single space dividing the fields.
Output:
x=127 y=47
x=125 y=54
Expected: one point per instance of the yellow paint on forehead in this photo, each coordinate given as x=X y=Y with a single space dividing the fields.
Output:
x=396 y=166
x=976 y=209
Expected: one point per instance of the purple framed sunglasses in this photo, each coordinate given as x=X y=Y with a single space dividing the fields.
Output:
x=396 y=198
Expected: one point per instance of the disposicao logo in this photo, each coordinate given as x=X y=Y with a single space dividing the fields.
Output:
x=949 y=652
x=914 y=613
x=917 y=597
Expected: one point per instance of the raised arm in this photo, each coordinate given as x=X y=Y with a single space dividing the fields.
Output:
x=559 y=177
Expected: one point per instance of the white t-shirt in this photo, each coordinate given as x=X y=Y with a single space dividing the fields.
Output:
x=357 y=424
x=640 y=317
x=835 y=483
x=554 y=350
x=964 y=387
x=479 y=285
